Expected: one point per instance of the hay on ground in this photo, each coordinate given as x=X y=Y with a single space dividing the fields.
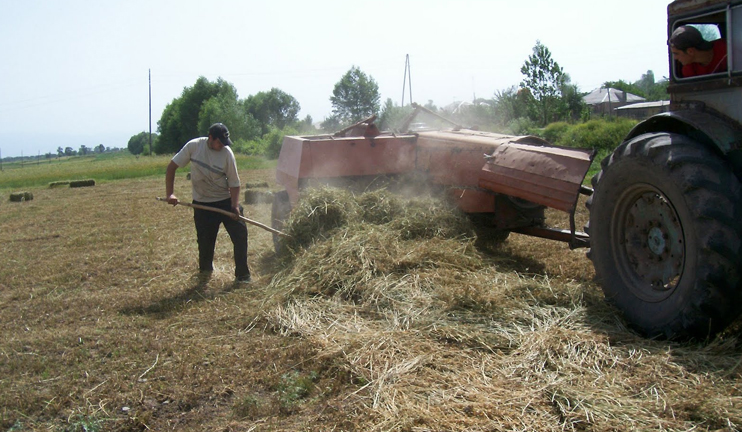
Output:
x=380 y=207
x=318 y=213
x=441 y=336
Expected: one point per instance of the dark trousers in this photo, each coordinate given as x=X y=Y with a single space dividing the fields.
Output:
x=207 y=228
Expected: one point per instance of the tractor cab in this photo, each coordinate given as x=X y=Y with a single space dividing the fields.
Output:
x=719 y=86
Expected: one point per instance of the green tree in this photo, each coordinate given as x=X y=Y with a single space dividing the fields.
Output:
x=275 y=109
x=653 y=90
x=393 y=115
x=180 y=119
x=355 y=97
x=139 y=143
x=572 y=104
x=331 y=124
x=511 y=104
x=544 y=78
x=306 y=126
x=659 y=91
x=625 y=86
x=273 y=141
x=228 y=109
x=646 y=82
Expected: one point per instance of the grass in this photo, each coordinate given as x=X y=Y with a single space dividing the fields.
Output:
x=100 y=167
x=107 y=326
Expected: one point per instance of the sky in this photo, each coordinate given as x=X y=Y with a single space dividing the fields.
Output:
x=77 y=72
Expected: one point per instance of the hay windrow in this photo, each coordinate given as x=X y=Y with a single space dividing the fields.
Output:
x=318 y=213
x=428 y=218
x=322 y=210
x=346 y=254
x=380 y=207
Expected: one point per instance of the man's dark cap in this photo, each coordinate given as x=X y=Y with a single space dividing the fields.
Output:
x=218 y=130
x=686 y=36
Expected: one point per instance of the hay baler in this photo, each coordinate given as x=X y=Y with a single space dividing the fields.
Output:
x=503 y=182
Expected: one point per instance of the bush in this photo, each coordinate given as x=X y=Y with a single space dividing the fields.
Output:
x=269 y=145
x=521 y=126
x=554 y=131
x=596 y=134
x=249 y=147
x=273 y=141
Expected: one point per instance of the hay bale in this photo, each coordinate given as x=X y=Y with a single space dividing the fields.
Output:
x=82 y=183
x=21 y=196
x=59 y=184
x=256 y=185
x=258 y=197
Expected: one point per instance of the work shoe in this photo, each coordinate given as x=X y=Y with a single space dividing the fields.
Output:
x=204 y=276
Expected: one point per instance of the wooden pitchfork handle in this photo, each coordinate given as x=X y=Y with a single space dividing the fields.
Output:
x=230 y=214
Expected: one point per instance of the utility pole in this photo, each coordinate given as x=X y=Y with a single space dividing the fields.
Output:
x=407 y=74
x=150 y=111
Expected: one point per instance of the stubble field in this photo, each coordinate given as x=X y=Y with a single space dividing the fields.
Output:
x=107 y=326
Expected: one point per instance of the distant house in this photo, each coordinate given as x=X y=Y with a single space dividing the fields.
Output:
x=457 y=107
x=604 y=101
x=643 y=110
x=461 y=107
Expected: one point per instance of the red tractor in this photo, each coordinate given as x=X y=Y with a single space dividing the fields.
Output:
x=665 y=229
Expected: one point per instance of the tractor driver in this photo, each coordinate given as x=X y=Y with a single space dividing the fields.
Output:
x=697 y=55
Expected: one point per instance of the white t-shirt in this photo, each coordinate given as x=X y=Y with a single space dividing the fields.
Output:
x=212 y=173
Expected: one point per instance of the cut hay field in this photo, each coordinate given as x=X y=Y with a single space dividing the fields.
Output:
x=378 y=325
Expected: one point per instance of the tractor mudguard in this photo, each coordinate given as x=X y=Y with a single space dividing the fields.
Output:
x=703 y=126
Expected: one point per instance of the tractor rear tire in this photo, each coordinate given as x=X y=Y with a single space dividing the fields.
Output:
x=665 y=236
x=279 y=214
